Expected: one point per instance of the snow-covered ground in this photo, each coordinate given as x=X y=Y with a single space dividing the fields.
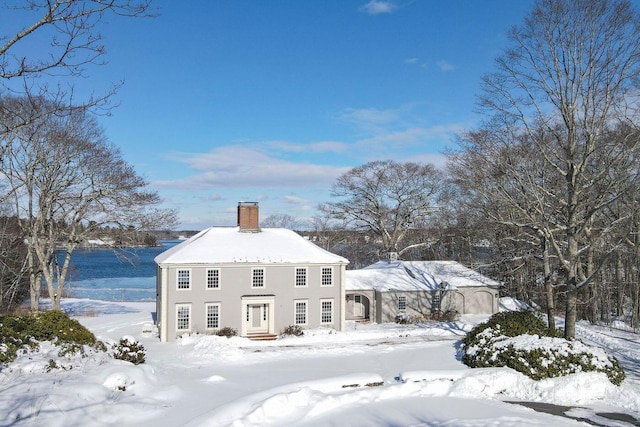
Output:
x=369 y=375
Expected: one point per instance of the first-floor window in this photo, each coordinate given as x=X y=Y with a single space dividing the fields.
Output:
x=326 y=311
x=402 y=303
x=300 y=312
x=213 y=315
x=183 y=317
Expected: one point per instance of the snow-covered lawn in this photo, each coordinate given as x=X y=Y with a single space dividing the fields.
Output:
x=369 y=375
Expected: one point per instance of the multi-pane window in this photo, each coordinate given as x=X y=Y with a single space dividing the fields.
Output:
x=436 y=301
x=213 y=315
x=327 y=276
x=326 y=311
x=183 y=317
x=300 y=313
x=301 y=276
x=213 y=278
x=402 y=303
x=184 y=279
x=257 y=280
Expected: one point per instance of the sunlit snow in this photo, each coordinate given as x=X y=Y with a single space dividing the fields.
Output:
x=368 y=375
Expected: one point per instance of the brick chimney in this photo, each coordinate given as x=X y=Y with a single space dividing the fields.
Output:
x=248 y=217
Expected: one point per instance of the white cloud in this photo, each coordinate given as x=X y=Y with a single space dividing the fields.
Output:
x=392 y=141
x=294 y=200
x=445 y=66
x=377 y=7
x=314 y=147
x=247 y=166
x=213 y=197
x=371 y=120
x=438 y=160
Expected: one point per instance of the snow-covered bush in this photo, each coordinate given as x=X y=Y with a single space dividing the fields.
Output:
x=227 y=332
x=24 y=332
x=521 y=341
x=444 y=316
x=434 y=316
x=292 y=330
x=130 y=350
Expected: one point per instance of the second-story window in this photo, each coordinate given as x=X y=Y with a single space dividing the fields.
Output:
x=257 y=280
x=301 y=276
x=184 y=279
x=327 y=276
x=213 y=278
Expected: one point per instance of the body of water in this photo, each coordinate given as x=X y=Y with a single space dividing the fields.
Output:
x=127 y=274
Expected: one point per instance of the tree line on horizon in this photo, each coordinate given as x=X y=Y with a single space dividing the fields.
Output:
x=541 y=194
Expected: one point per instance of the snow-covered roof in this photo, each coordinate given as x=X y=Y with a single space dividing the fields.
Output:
x=220 y=245
x=414 y=276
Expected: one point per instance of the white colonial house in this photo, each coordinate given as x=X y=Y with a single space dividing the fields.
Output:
x=257 y=281
x=387 y=290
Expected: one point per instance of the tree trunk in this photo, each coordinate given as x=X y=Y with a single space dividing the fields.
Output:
x=620 y=286
x=571 y=313
x=548 y=287
x=34 y=292
x=635 y=307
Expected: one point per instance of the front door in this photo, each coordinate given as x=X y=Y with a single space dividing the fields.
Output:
x=358 y=307
x=257 y=318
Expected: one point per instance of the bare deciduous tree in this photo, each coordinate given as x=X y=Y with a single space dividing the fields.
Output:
x=14 y=284
x=502 y=176
x=387 y=198
x=65 y=180
x=280 y=221
x=570 y=75
x=66 y=33
x=68 y=27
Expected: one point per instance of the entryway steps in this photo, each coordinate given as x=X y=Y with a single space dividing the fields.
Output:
x=262 y=337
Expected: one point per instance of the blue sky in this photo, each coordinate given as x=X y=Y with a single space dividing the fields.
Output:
x=270 y=101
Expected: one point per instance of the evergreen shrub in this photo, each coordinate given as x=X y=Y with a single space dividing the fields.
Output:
x=24 y=332
x=129 y=350
x=227 y=332
x=521 y=340
x=292 y=330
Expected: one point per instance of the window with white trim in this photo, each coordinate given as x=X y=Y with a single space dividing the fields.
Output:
x=326 y=311
x=213 y=315
x=213 y=278
x=301 y=276
x=257 y=279
x=300 y=312
x=184 y=279
x=327 y=276
x=402 y=303
x=183 y=317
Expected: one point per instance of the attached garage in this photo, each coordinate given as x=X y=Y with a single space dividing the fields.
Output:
x=386 y=290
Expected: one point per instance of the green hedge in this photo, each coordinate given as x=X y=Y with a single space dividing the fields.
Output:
x=26 y=331
x=521 y=340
